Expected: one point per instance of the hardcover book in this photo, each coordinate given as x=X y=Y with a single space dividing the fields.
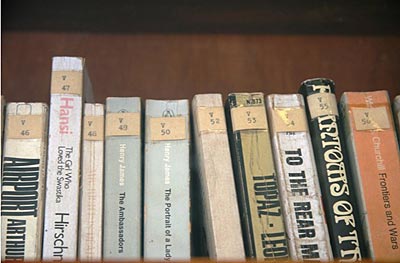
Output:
x=220 y=206
x=297 y=179
x=23 y=181
x=335 y=179
x=256 y=183
x=91 y=206
x=69 y=82
x=123 y=180
x=167 y=225
x=374 y=160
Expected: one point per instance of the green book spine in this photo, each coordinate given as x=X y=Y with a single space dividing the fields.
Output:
x=122 y=183
x=166 y=183
x=255 y=177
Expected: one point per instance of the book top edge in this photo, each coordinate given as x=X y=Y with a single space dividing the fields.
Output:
x=207 y=100
x=167 y=108
x=285 y=100
x=123 y=104
x=365 y=98
x=22 y=108
x=68 y=64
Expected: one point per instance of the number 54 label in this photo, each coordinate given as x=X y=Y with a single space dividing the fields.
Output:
x=168 y=128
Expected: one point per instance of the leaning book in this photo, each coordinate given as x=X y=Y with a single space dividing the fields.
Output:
x=297 y=179
x=219 y=201
x=167 y=226
x=69 y=81
x=339 y=198
x=23 y=181
x=263 y=228
x=374 y=160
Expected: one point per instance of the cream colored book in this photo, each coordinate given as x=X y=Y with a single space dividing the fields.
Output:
x=91 y=200
x=298 y=182
x=69 y=83
x=222 y=221
x=23 y=181
x=396 y=116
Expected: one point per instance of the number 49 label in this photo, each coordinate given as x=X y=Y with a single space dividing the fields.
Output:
x=168 y=128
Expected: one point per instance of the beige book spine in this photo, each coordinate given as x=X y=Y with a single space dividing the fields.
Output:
x=91 y=206
x=23 y=181
x=223 y=230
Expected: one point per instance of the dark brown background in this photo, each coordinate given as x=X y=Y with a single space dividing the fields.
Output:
x=175 y=50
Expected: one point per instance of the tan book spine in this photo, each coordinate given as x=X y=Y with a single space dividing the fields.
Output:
x=23 y=181
x=223 y=230
x=297 y=179
x=91 y=190
x=374 y=160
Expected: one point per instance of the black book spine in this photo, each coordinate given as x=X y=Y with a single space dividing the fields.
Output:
x=335 y=178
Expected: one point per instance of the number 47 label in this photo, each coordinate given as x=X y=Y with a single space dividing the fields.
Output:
x=168 y=128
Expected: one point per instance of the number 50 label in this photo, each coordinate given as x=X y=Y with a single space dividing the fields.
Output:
x=168 y=128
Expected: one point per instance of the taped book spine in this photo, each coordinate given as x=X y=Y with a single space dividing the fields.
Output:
x=344 y=223
x=167 y=225
x=256 y=182
x=123 y=180
x=297 y=179
x=68 y=79
x=374 y=160
x=221 y=212
x=91 y=207
x=23 y=181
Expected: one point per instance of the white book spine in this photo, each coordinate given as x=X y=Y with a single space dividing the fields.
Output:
x=62 y=195
x=91 y=207
x=297 y=179
x=221 y=212
x=23 y=181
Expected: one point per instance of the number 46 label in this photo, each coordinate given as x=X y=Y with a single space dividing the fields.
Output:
x=167 y=128
x=24 y=126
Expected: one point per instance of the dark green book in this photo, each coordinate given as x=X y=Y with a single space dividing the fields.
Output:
x=344 y=224
x=256 y=183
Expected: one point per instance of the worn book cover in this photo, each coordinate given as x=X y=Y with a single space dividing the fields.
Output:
x=123 y=180
x=220 y=207
x=91 y=200
x=256 y=183
x=69 y=81
x=167 y=226
x=297 y=179
x=344 y=223
x=374 y=160
x=23 y=181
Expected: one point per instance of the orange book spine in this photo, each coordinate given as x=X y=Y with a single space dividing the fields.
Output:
x=374 y=158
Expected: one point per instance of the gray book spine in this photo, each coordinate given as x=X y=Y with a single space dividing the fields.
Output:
x=166 y=182
x=122 y=181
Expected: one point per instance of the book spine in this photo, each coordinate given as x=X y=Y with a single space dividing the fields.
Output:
x=396 y=113
x=23 y=181
x=375 y=164
x=297 y=179
x=337 y=188
x=256 y=182
x=221 y=212
x=123 y=180
x=63 y=169
x=91 y=206
x=167 y=224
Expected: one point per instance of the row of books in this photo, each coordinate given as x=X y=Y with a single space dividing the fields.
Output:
x=287 y=176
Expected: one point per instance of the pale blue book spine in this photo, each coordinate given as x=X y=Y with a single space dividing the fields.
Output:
x=122 y=182
x=166 y=182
